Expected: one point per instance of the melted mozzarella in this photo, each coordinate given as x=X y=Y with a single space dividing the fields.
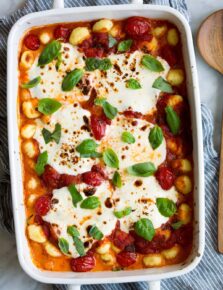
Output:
x=51 y=79
x=63 y=156
x=112 y=83
x=63 y=214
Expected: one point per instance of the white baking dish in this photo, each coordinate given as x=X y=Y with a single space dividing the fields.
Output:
x=82 y=14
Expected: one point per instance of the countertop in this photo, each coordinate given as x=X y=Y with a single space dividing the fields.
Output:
x=11 y=274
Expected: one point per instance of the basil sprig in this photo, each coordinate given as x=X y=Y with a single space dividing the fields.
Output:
x=155 y=137
x=96 y=233
x=151 y=63
x=173 y=120
x=63 y=245
x=93 y=63
x=122 y=213
x=72 y=79
x=162 y=85
x=125 y=45
x=41 y=163
x=144 y=169
x=50 y=52
x=116 y=180
x=48 y=106
x=110 y=158
x=166 y=206
x=91 y=202
x=75 y=194
x=144 y=228
x=87 y=148
x=73 y=232
x=59 y=61
x=108 y=109
x=133 y=84
x=31 y=84
x=177 y=225
x=54 y=136
x=127 y=137
x=111 y=41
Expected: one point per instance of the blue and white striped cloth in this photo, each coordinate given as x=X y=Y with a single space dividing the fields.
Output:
x=209 y=273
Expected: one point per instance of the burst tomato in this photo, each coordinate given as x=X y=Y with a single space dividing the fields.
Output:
x=92 y=178
x=98 y=127
x=137 y=27
x=165 y=177
x=121 y=239
x=32 y=42
x=62 y=33
x=126 y=259
x=51 y=177
x=82 y=264
x=42 y=205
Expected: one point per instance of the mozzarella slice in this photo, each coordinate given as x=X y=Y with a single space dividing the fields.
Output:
x=63 y=156
x=112 y=83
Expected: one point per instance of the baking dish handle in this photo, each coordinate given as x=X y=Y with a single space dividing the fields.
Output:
x=57 y=4
x=75 y=287
x=154 y=285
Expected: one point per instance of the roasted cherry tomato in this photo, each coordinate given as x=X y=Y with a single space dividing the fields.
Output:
x=165 y=177
x=98 y=168
x=98 y=127
x=92 y=178
x=51 y=177
x=169 y=55
x=82 y=264
x=137 y=27
x=121 y=239
x=94 y=52
x=126 y=259
x=32 y=42
x=42 y=205
x=62 y=33
x=67 y=179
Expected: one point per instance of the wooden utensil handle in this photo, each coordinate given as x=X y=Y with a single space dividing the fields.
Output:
x=220 y=197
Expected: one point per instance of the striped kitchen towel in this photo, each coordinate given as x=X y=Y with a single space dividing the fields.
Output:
x=208 y=274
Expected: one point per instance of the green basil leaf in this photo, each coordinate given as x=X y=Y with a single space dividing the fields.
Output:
x=41 y=163
x=31 y=84
x=96 y=233
x=122 y=213
x=55 y=135
x=111 y=41
x=162 y=85
x=49 y=53
x=99 y=101
x=110 y=158
x=46 y=135
x=144 y=169
x=125 y=45
x=79 y=246
x=87 y=146
x=63 y=245
x=177 y=225
x=133 y=84
x=152 y=63
x=59 y=61
x=166 y=206
x=155 y=137
x=116 y=180
x=144 y=228
x=173 y=120
x=109 y=110
x=48 y=106
x=105 y=64
x=72 y=231
x=92 y=155
x=72 y=79
x=93 y=63
x=127 y=137
x=91 y=202
x=75 y=194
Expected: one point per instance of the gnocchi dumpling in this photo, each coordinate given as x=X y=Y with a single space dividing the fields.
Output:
x=44 y=37
x=175 y=147
x=30 y=148
x=116 y=30
x=27 y=59
x=32 y=183
x=159 y=31
x=115 y=249
x=171 y=253
x=36 y=233
x=172 y=36
x=185 y=213
x=52 y=250
x=25 y=95
x=175 y=77
x=182 y=165
x=153 y=260
x=31 y=199
x=183 y=184
x=28 y=130
x=174 y=100
x=104 y=248
x=103 y=25
x=30 y=110
x=78 y=35
x=108 y=259
x=151 y=45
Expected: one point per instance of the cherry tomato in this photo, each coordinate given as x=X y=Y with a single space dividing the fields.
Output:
x=137 y=27
x=100 y=39
x=42 y=205
x=38 y=219
x=94 y=52
x=98 y=127
x=126 y=259
x=82 y=264
x=92 y=178
x=121 y=239
x=98 y=168
x=165 y=177
x=66 y=179
x=169 y=55
x=32 y=42
x=51 y=177
x=62 y=33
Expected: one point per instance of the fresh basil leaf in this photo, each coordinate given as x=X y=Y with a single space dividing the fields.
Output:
x=151 y=63
x=91 y=202
x=116 y=180
x=173 y=120
x=133 y=84
x=162 y=85
x=111 y=41
x=55 y=135
x=105 y=64
x=125 y=45
x=144 y=169
x=127 y=137
x=72 y=79
x=46 y=135
x=72 y=231
x=75 y=194
x=92 y=155
x=93 y=63
x=41 y=163
x=96 y=233
x=110 y=158
x=79 y=246
x=49 y=53
x=144 y=228
x=59 y=61
x=48 y=106
x=31 y=84
x=99 y=101
x=122 y=213
x=166 y=206
x=63 y=245
x=155 y=137
x=109 y=110
x=177 y=225
x=87 y=146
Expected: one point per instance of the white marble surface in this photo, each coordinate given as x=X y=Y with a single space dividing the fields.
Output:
x=12 y=276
